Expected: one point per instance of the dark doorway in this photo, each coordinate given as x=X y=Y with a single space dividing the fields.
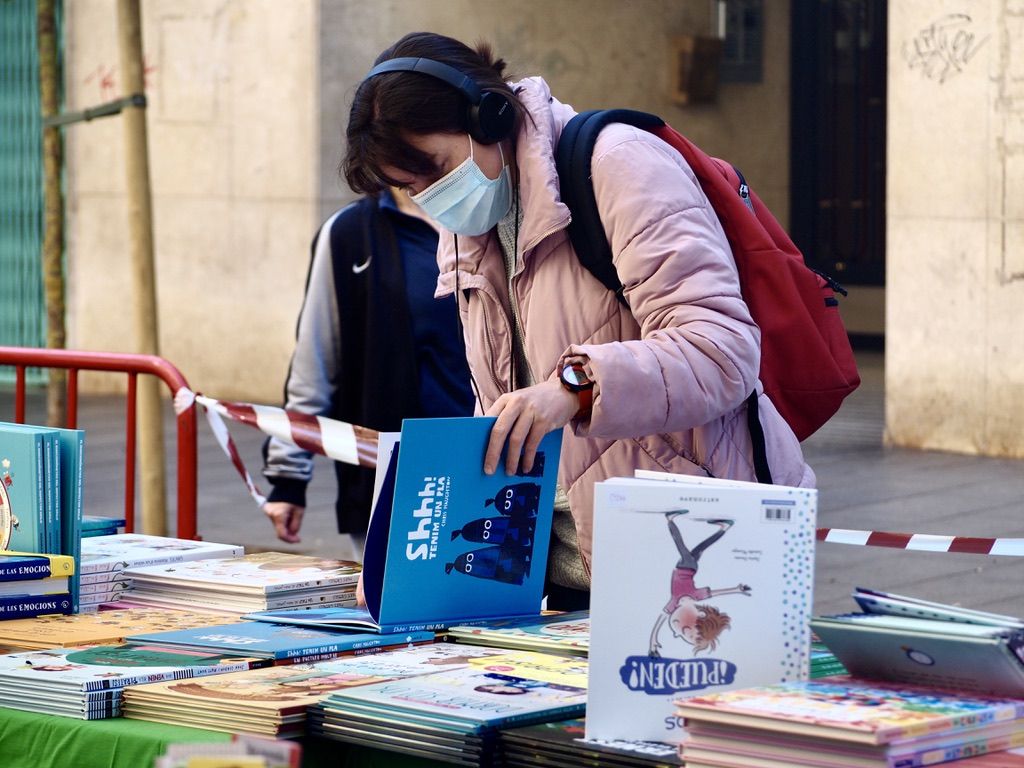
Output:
x=837 y=171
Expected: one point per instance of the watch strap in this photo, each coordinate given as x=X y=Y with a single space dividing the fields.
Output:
x=586 y=397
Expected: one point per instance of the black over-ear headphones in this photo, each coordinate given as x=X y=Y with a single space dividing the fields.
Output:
x=490 y=115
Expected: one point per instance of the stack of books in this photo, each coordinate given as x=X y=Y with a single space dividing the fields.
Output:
x=455 y=715
x=97 y=627
x=41 y=474
x=274 y=701
x=562 y=743
x=248 y=584
x=280 y=643
x=35 y=585
x=844 y=722
x=87 y=682
x=906 y=639
x=105 y=559
x=823 y=662
x=98 y=525
x=563 y=633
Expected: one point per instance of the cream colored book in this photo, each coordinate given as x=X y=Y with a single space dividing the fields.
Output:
x=100 y=628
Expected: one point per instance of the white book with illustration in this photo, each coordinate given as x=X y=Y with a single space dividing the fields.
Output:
x=696 y=588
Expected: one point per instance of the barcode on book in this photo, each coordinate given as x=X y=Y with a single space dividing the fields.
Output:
x=777 y=513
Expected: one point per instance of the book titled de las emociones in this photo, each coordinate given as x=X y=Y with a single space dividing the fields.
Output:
x=735 y=562
x=448 y=543
x=24 y=566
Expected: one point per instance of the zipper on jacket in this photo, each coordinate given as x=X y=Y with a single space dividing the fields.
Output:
x=517 y=325
x=498 y=386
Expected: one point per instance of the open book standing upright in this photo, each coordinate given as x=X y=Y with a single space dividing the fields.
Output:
x=448 y=544
x=698 y=586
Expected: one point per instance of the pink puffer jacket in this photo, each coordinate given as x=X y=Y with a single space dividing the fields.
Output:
x=674 y=369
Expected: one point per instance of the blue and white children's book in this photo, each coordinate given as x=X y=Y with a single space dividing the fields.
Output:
x=281 y=642
x=696 y=588
x=449 y=544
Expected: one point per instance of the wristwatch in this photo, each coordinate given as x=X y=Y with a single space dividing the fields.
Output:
x=574 y=378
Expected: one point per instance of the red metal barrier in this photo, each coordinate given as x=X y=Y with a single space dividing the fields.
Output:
x=130 y=364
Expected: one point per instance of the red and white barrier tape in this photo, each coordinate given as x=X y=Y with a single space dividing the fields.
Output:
x=923 y=542
x=334 y=439
x=356 y=445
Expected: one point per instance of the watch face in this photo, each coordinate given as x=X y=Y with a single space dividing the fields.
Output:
x=575 y=377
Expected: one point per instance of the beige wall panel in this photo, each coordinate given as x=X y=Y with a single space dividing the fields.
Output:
x=955 y=249
x=234 y=163
x=935 y=319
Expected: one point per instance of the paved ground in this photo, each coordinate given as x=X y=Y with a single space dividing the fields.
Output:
x=862 y=484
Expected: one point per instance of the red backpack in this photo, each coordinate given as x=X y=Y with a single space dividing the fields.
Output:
x=807 y=364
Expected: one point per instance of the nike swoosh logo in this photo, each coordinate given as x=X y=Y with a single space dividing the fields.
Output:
x=357 y=268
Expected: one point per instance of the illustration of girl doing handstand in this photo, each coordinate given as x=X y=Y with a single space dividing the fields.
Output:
x=695 y=623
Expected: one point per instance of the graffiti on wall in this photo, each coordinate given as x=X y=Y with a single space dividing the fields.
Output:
x=944 y=48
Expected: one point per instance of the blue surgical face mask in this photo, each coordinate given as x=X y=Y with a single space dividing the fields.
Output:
x=465 y=201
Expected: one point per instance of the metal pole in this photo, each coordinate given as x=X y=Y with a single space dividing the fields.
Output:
x=140 y=220
x=52 y=255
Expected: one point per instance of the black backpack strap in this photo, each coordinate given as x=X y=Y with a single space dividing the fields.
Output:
x=573 y=162
x=760 y=450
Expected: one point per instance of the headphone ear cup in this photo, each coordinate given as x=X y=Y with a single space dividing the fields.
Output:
x=492 y=119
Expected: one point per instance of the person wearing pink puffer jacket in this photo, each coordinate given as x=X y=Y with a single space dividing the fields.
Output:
x=660 y=384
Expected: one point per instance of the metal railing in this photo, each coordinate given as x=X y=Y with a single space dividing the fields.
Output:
x=131 y=365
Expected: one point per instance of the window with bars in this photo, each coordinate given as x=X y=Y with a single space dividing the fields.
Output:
x=22 y=311
x=742 y=51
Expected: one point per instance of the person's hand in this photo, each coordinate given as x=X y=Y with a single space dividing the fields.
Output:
x=523 y=418
x=360 y=595
x=286 y=518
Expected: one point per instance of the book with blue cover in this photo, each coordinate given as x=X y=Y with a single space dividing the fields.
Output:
x=23 y=505
x=696 y=587
x=71 y=451
x=449 y=544
x=281 y=642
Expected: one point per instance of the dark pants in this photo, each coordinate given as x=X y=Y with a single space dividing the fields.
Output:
x=566 y=598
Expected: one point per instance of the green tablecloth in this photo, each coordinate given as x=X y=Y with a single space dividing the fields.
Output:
x=30 y=740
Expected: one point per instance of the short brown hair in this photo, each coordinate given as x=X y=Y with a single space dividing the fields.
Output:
x=390 y=106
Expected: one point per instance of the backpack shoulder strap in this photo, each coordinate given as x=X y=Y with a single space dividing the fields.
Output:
x=573 y=163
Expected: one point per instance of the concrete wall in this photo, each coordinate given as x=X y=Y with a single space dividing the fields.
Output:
x=955 y=239
x=234 y=162
x=248 y=100
x=593 y=53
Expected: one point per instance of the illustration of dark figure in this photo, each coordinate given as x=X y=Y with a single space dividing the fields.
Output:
x=517 y=500
x=688 y=617
x=498 y=530
x=511 y=536
x=508 y=564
